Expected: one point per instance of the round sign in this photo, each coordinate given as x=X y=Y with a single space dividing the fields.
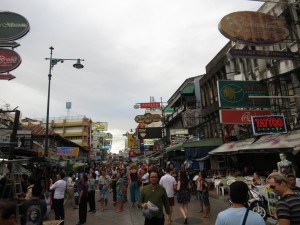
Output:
x=253 y=28
x=12 y=26
x=9 y=60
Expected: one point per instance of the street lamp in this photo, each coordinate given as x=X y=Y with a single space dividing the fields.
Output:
x=53 y=62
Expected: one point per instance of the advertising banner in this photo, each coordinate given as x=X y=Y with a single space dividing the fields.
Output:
x=150 y=132
x=67 y=151
x=268 y=124
x=130 y=140
x=230 y=116
x=101 y=126
x=148 y=105
x=234 y=94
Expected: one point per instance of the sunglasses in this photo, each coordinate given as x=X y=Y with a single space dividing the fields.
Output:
x=272 y=186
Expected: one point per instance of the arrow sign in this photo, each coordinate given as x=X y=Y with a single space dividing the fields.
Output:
x=6 y=76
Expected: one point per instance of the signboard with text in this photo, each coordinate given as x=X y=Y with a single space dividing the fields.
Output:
x=231 y=116
x=148 y=105
x=268 y=124
x=234 y=94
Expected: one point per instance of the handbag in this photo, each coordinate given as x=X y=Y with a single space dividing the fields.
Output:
x=245 y=217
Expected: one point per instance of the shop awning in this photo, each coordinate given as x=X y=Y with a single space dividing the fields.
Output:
x=195 y=144
x=266 y=143
x=231 y=147
x=273 y=142
x=175 y=147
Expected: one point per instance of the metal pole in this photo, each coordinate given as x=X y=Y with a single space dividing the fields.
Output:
x=48 y=104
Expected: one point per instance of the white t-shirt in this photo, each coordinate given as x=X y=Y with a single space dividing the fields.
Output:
x=59 y=188
x=145 y=178
x=168 y=182
x=97 y=174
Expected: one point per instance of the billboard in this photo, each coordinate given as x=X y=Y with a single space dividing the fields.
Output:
x=102 y=126
x=231 y=116
x=234 y=94
x=253 y=28
x=268 y=124
x=150 y=132
x=67 y=151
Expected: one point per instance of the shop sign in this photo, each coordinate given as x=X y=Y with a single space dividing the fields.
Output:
x=147 y=118
x=67 y=151
x=150 y=132
x=150 y=105
x=9 y=60
x=12 y=26
x=268 y=124
x=234 y=94
x=102 y=126
x=254 y=28
x=261 y=54
x=230 y=116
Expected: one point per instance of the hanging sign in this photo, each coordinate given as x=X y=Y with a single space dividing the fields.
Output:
x=268 y=124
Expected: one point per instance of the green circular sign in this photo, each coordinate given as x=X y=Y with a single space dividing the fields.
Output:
x=12 y=26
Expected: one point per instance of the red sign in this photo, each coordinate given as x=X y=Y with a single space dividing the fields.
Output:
x=9 y=60
x=150 y=105
x=6 y=76
x=228 y=116
x=268 y=124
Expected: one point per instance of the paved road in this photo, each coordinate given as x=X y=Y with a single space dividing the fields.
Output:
x=133 y=216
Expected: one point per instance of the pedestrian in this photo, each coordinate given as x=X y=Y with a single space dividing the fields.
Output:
x=70 y=191
x=287 y=208
x=59 y=188
x=34 y=211
x=82 y=201
x=105 y=182
x=91 y=192
x=169 y=183
x=114 y=186
x=134 y=188
x=292 y=181
x=199 y=184
x=238 y=212
x=145 y=177
x=121 y=188
x=8 y=212
x=157 y=195
x=183 y=194
x=205 y=195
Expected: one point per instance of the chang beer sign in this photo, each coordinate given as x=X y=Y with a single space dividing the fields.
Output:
x=234 y=94
x=12 y=26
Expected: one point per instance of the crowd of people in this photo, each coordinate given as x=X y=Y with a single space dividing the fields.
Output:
x=154 y=190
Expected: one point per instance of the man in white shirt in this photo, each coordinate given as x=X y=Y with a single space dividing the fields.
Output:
x=169 y=183
x=145 y=178
x=59 y=188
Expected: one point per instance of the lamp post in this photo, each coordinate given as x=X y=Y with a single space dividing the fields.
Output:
x=53 y=62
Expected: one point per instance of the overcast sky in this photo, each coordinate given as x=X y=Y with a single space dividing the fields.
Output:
x=133 y=49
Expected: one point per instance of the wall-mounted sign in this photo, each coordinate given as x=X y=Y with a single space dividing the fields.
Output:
x=12 y=26
x=67 y=151
x=268 y=124
x=230 y=116
x=150 y=132
x=151 y=105
x=260 y=54
x=147 y=118
x=9 y=60
x=102 y=126
x=254 y=28
x=234 y=94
